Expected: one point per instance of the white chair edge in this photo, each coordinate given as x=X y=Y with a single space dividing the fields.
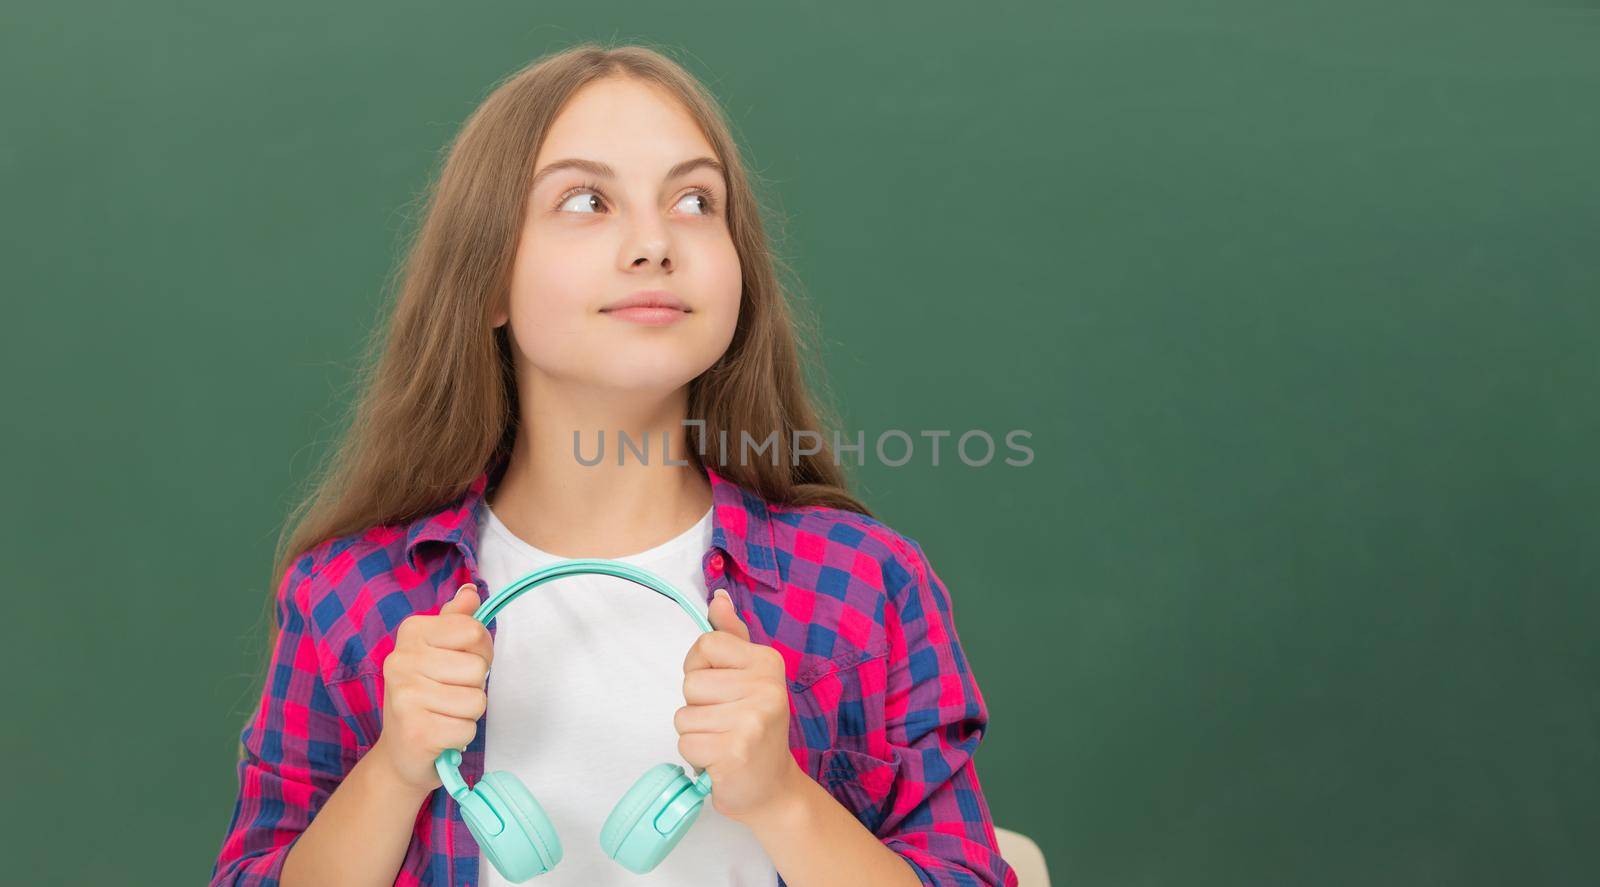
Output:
x=1024 y=856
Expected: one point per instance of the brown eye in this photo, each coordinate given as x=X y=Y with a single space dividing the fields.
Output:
x=577 y=192
x=708 y=202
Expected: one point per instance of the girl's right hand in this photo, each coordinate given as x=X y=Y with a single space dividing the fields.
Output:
x=434 y=689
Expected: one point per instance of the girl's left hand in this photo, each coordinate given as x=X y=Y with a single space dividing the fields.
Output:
x=736 y=723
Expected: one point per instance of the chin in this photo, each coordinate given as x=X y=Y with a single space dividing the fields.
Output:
x=643 y=382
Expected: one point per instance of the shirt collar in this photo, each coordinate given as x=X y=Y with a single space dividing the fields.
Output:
x=741 y=523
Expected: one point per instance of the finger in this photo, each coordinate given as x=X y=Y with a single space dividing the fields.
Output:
x=718 y=649
x=456 y=632
x=456 y=667
x=725 y=617
x=457 y=702
x=466 y=600
x=701 y=750
x=456 y=732
x=718 y=717
x=709 y=686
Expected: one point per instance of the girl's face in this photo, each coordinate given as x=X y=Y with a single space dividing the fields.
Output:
x=654 y=222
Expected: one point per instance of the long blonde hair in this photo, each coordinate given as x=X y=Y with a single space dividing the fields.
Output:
x=437 y=393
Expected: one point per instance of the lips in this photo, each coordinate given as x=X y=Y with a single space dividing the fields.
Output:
x=648 y=299
x=648 y=316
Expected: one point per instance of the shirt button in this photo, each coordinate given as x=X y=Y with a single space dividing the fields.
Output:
x=716 y=563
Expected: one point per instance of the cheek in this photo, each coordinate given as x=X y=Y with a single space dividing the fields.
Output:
x=546 y=283
x=549 y=300
x=725 y=283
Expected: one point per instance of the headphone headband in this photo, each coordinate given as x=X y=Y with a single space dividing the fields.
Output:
x=639 y=575
x=447 y=764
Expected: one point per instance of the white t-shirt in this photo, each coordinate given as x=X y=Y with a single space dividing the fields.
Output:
x=587 y=674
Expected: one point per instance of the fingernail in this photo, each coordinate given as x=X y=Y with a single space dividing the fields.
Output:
x=722 y=592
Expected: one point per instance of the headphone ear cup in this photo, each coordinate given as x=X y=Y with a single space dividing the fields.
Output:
x=529 y=846
x=629 y=835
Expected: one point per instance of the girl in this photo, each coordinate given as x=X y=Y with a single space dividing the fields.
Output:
x=832 y=705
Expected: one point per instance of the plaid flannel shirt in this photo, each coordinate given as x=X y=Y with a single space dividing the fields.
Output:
x=884 y=712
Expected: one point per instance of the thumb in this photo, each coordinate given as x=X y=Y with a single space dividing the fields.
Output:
x=466 y=601
x=724 y=617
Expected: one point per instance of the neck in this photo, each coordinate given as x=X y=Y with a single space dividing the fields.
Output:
x=556 y=503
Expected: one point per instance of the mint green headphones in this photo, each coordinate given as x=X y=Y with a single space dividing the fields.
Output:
x=510 y=826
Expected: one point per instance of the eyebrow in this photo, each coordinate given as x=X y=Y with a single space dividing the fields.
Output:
x=595 y=167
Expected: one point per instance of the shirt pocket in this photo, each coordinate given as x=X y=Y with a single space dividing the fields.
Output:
x=864 y=784
x=841 y=704
x=359 y=699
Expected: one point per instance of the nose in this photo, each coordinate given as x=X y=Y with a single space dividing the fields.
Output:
x=650 y=244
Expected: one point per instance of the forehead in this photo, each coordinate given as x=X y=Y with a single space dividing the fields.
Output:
x=623 y=122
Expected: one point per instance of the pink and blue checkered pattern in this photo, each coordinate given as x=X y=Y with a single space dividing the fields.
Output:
x=885 y=712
